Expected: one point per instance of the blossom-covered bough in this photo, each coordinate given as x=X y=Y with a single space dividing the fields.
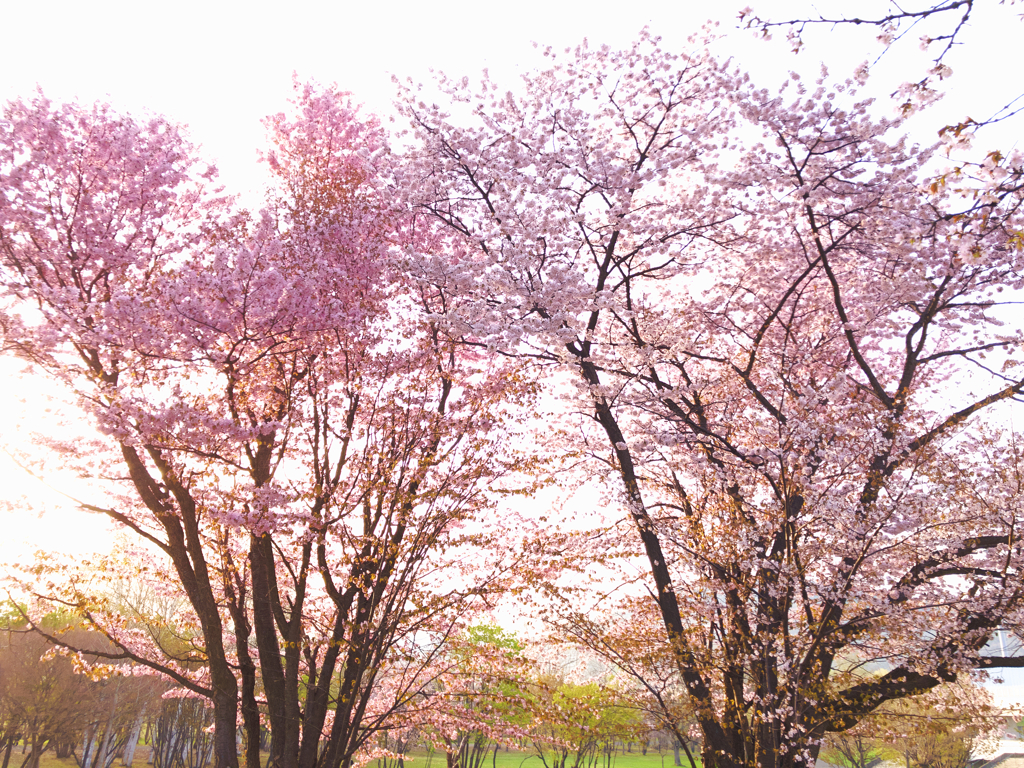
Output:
x=292 y=442
x=799 y=354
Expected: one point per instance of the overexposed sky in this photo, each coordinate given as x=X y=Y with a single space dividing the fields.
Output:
x=220 y=66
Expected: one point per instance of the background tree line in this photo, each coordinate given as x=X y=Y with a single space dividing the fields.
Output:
x=71 y=707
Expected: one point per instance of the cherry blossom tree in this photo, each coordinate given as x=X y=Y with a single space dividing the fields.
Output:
x=479 y=700
x=939 y=28
x=794 y=351
x=893 y=24
x=291 y=439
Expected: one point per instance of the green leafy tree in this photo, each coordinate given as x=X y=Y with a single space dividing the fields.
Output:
x=582 y=724
x=482 y=699
x=940 y=729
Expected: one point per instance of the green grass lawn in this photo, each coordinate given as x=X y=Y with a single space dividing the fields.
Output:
x=420 y=759
x=48 y=760
x=516 y=759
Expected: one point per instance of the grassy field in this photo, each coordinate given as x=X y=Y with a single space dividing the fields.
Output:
x=514 y=759
x=49 y=761
x=420 y=759
x=46 y=761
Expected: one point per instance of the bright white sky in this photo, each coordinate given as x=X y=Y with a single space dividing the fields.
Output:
x=219 y=66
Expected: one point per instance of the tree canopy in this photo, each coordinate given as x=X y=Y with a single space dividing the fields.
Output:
x=788 y=342
x=790 y=345
x=297 y=446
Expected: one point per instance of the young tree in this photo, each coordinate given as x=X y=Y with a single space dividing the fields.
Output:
x=479 y=699
x=645 y=673
x=581 y=726
x=792 y=350
x=279 y=418
x=48 y=702
x=44 y=702
x=940 y=729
